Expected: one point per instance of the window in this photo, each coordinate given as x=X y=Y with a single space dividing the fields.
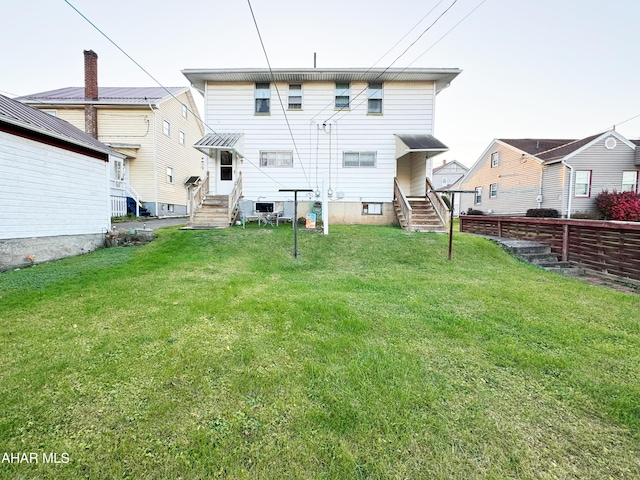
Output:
x=169 y=175
x=359 y=159
x=630 y=181
x=374 y=96
x=182 y=138
x=170 y=207
x=493 y=190
x=453 y=168
x=184 y=110
x=118 y=169
x=343 y=95
x=263 y=97
x=276 y=159
x=53 y=113
x=371 y=209
x=444 y=181
x=166 y=128
x=295 y=96
x=495 y=159
x=478 y=196
x=226 y=165
x=583 y=183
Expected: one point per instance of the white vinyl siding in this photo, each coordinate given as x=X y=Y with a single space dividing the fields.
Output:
x=49 y=207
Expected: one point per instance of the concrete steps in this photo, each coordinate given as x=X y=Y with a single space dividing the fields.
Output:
x=539 y=255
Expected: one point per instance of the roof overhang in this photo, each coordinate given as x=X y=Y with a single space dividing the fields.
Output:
x=410 y=143
x=221 y=141
x=442 y=77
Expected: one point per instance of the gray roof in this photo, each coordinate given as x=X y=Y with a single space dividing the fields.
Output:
x=422 y=142
x=549 y=149
x=106 y=96
x=441 y=76
x=18 y=114
x=218 y=140
x=448 y=164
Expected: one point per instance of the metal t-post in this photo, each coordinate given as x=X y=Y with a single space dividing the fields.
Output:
x=295 y=215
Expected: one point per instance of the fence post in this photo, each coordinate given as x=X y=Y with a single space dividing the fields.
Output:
x=565 y=242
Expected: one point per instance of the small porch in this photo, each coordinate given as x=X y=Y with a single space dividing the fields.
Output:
x=418 y=206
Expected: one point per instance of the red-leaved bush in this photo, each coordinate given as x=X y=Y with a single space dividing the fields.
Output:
x=623 y=206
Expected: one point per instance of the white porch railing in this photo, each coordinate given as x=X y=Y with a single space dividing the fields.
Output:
x=198 y=195
x=402 y=201
x=118 y=206
x=438 y=204
x=234 y=197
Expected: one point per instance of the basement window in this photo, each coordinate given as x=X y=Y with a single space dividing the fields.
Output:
x=371 y=208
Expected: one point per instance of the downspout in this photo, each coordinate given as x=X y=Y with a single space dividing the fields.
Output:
x=540 y=188
x=155 y=160
x=569 y=193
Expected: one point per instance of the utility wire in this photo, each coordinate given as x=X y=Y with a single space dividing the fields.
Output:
x=195 y=114
x=275 y=83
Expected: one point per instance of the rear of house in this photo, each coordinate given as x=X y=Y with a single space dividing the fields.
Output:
x=359 y=131
x=54 y=187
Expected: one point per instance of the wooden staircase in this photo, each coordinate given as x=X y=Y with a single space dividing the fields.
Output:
x=423 y=217
x=213 y=213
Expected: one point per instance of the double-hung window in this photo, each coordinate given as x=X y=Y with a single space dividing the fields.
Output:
x=184 y=110
x=477 y=199
x=583 y=183
x=374 y=98
x=166 y=128
x=493 y=190
x=169 y=174
x=343 y=95
x=295 y=96
x=630 y=181
x=276 y=159
x=263 y=98
x=183 y=138
x=495 y=159
x=359 y=159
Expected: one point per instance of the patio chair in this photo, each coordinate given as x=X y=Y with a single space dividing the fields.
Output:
x=287 y=212
x=247 y=212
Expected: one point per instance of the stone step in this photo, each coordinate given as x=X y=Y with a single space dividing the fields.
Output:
x=539 y=258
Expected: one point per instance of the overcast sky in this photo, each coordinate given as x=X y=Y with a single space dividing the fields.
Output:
x=531 y=68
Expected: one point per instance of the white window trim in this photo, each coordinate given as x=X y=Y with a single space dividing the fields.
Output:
x=267 y=97
x=375 y=94
x=343 y=91
x=185 y=111
x=495 y=159
x=635 y=181
x=166 y=127
x=182 y=138
x=375 y=159
x=371 y=208
x=575 y=184
x=296 y=105
x=493 y=190
x=477 y=194
x=170 y=175
x=268 y=155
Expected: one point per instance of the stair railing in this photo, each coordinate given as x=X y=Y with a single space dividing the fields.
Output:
x=438 y=204
x=235 y=195
x=198 y=194
x=131 y=192
x=402 y=202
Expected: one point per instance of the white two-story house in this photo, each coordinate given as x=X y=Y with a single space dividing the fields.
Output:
x=366 y=133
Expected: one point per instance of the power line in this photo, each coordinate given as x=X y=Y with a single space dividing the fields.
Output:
x=196 y=115
x=275 y=83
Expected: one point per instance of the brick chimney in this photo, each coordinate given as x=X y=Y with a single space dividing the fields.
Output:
x=90 y=92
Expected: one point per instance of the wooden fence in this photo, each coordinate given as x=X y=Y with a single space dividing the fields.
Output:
x=607 y=247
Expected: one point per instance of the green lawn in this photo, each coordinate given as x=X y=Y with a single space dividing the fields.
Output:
x=215 y=354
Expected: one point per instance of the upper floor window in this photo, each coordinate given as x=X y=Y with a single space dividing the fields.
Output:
x=276 y=159
x=630 y=181
x=295 y=96
x=166 y=128
x=263 y=97
x=444 y=181
x=453 y=168
x=583 y=183
x=169 y=175
x=374 y=97
x=185 y=110
x=493 y=190
x=343 y=95
x=477 y=198
x=495 y=159
x=182 y=138
x=53 y=113
x=359 y=159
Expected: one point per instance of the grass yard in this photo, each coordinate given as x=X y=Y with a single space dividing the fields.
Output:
x=215 y=354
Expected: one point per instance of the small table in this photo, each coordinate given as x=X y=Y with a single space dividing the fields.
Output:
x=269 y=218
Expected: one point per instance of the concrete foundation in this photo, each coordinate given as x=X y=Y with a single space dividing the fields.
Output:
x=24 y=252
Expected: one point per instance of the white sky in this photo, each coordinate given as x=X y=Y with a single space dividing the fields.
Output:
x=531 y=68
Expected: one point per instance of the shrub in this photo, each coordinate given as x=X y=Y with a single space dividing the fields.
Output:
x=623 y=206
x=543 y=213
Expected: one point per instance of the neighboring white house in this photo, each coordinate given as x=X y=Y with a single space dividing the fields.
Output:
x=446 y=175
x=54 y=187
x=154 y=127
x=358 y=128
x=513 y=176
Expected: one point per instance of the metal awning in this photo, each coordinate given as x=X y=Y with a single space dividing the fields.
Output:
x=221 y=141
x=408 y=143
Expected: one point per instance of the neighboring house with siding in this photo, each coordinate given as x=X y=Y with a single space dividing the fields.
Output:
x=357 y=128
x=512 y=176
x=54 y=187
x=154 y=127
x=446 y=175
